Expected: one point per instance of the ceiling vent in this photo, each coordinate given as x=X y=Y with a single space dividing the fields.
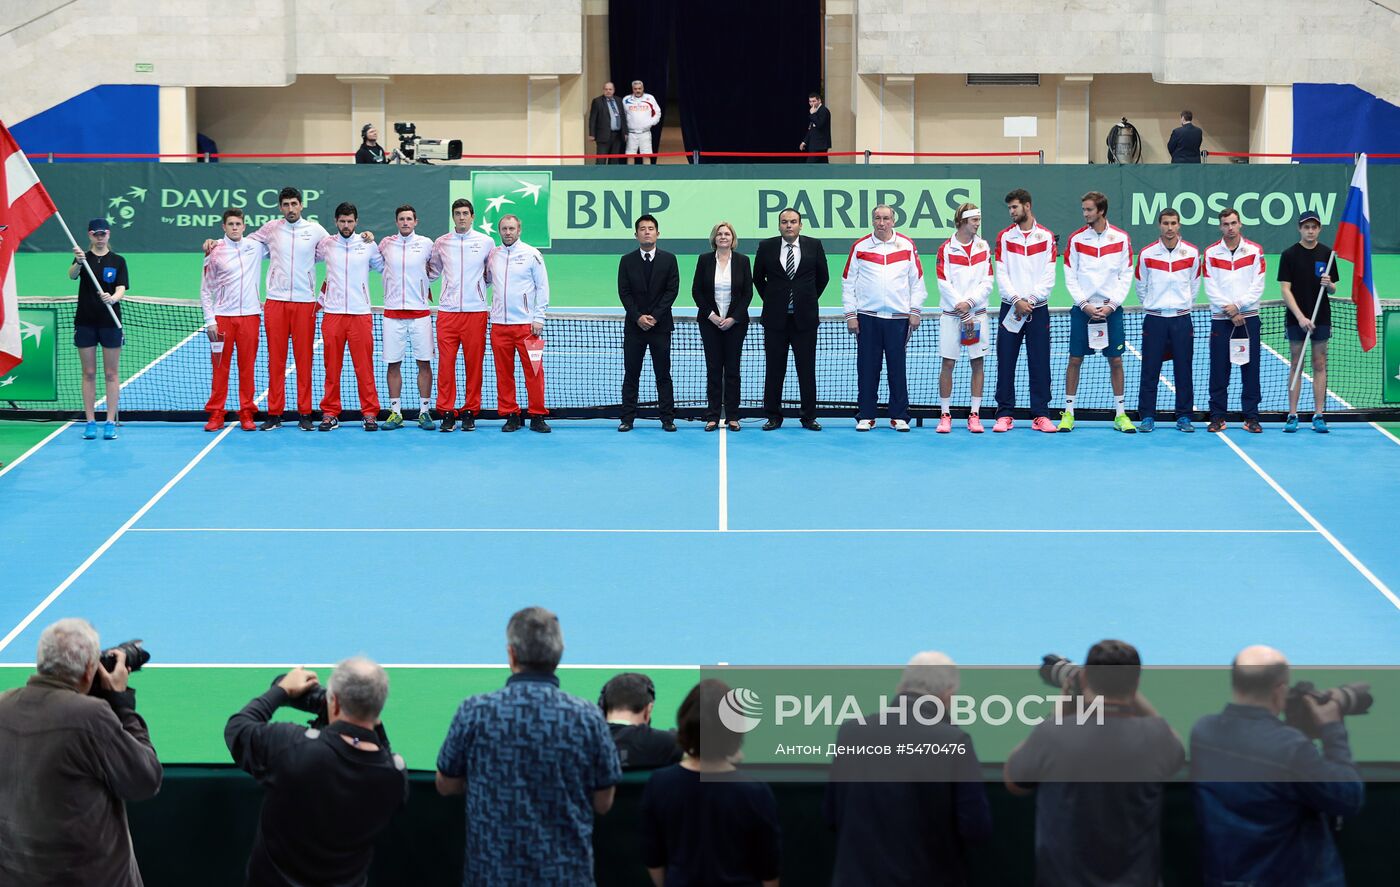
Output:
x=1003 y=79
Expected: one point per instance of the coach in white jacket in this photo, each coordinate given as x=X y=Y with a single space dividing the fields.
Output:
x=643 y=112
x=882 y=293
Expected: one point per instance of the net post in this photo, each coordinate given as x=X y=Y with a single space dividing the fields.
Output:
x=50 y=157
x=695 y=157
x=867 y=156
x=1041 y=152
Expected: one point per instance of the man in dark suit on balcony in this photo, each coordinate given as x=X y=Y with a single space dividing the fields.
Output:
x=607 y=124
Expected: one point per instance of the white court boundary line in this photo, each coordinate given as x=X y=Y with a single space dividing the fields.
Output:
x=1316 y=524
x=779 y=531
x=723 y=480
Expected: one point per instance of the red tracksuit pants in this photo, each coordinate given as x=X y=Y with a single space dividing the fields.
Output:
x=358 y=331
x=240 y=333
x=297 y=321
x=506 y=340
x=465 y=330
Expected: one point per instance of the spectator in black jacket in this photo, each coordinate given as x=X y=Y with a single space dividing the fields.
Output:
x=627 y=702
x=818 y=139
x=330 y=791
x=908 y=819
x=370 y=151
x=1185 y=143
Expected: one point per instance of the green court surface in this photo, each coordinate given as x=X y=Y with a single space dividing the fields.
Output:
x=180 y=703
x=576 y=281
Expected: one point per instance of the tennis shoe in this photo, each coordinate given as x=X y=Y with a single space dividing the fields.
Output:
x=1066 y=422
x=1184 y=424
x=303 y=422
x=1290 y=424
x=1043 y=423
x=1216 y=426
x=371 y=424
x=1252 y=426
x=468 y=422
x=216 y=421
x=537 y=423
x=1003 y=424
x=512 y=423
x=246 y=423
x=449 y=421
x=899 y=424
x=109 y=431
x=90 y=431
x=425 y=421
x=974 y=423
x=1124 y=424
x=1148 y=425
x=394 y=422
x=329 y=423
x=864 y=424
x=1319 y=424
x=270 y=423
x=945 y=424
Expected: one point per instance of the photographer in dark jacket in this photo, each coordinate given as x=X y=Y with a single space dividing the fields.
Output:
x=627 y=702
x=1265 y=798
x=330 y=791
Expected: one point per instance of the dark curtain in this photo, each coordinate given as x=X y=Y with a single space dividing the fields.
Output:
x=639 y=46
x=745 y=68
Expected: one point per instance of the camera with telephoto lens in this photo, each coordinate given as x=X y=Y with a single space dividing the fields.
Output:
x=313 y=702
x=1058 y=672
x=1353 y=699
x=136 y=656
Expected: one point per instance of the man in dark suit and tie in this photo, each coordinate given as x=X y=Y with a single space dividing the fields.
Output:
x=607 y=124
x=647 y=282
x=818 y=140
x=790 y=274
x=1185 y=143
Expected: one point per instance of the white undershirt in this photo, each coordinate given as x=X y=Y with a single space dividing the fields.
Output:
x=723 y=287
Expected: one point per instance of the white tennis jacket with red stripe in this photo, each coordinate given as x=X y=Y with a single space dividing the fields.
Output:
x=1168 y=279
x=348 y=263
x=964 y=274
x=1026 y=264
x=883 y=278
x=519 y=284
x=1099 y=266
x=291 y=275
x=1234 y=278
x=230 y=284
x=461 y=260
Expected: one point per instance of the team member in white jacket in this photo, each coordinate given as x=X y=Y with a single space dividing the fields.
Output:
x=1025 y=257
x=345 y=301
x=964 y=274
x=232 y=314
x=520 y=295
x=1233 y=269
x=642 y=111
x=883 y=294
x=407 y=293
x=1098 y=273
x=460 y=257
x=1168 y=278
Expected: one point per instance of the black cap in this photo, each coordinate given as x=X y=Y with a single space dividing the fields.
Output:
x=1309 y=216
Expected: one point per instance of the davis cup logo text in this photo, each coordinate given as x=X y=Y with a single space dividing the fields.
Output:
x=740 y=710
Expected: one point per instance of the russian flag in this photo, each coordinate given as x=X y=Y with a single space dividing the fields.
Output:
x=1354 y=245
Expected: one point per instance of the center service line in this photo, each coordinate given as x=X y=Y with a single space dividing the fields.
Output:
x=723 y=480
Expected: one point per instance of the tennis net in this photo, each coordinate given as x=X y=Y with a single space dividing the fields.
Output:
x=166 y=368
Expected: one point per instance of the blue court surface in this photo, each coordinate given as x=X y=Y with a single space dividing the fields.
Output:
x=690 y=548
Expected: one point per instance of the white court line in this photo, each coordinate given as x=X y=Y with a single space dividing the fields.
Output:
x=112 y=539
x=34 y=449
x=723 y=480
x=1316 y=524
x=792 y=531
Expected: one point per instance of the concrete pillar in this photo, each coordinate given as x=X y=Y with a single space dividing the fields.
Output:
x=1270 y=122
x=838 y=70
x=367 y=106
x=176 y=109
x=897 y=130
x=543 y=106
x=1072 y=119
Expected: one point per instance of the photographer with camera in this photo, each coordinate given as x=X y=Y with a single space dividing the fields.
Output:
x=73 y=750
x=1098 y=806
x=1266 y=799
x=331 y=788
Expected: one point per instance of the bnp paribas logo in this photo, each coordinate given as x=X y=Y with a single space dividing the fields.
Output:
x=522 y=194
x=121 y=210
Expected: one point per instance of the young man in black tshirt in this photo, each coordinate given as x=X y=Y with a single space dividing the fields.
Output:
x=627 y=702
x=1304 y=275
x=95 y=323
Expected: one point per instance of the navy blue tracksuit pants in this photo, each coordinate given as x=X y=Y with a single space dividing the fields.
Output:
x=1221 y=332
x=881 y=342
x=1160 y=334
x=1036 y=334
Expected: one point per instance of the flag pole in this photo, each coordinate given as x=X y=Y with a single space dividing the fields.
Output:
x=1321 y=294
x=88 y=268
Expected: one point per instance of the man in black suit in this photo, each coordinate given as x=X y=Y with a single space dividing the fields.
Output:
x=1185 y=143
x=607 y=124
x=818 y=140
x=790 y=274
x=647 y=282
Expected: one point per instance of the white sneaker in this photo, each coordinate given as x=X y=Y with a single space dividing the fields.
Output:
x=899 y=425
x=864 y=424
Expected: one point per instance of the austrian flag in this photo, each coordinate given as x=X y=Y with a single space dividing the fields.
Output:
x=24 y=205
x=1354 y=245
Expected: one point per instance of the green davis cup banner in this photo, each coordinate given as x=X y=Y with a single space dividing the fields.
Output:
x=155 y=207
